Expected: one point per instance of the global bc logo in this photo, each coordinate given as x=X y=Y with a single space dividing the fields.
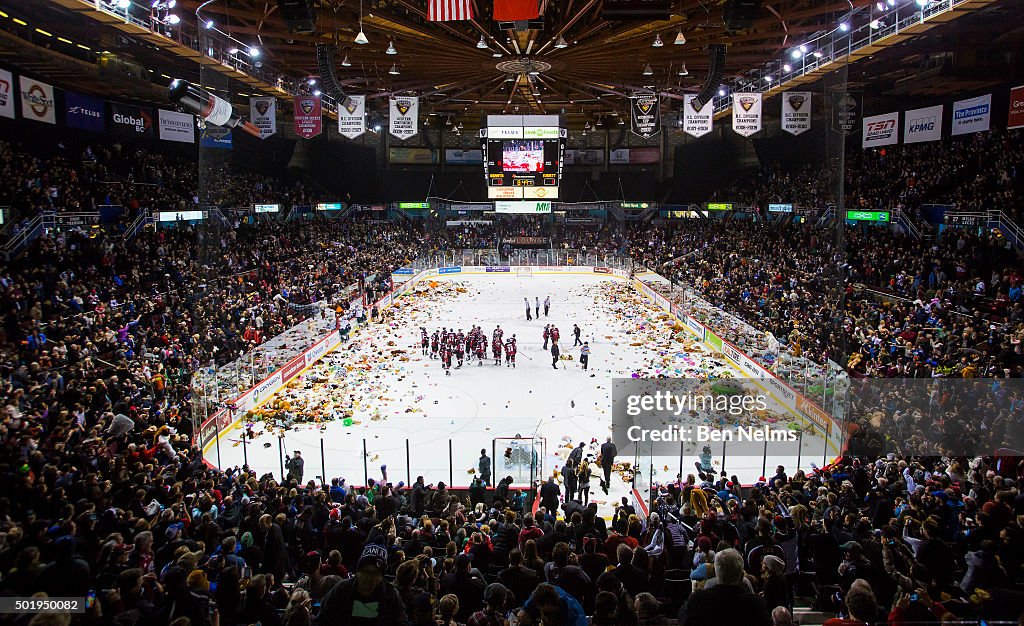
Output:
x=139 y=123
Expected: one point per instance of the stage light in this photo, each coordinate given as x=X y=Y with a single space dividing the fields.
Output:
x=721 y=92
x=233 y=51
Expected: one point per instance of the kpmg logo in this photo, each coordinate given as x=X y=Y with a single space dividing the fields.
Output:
x=922 y=124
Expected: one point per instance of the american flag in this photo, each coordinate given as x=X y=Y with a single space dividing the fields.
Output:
x=449 y=10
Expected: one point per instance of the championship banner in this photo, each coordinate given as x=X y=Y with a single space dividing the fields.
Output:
x=131 y=121
x=308 y=116
x=846 y=110
x=37 y=101
x=922 y=124
x=973 y=115
x=218 y=137
x=697 y=120
x=1016 y=116
x=645 y=115
x=796 y=112
x=404 y=113
x=880 y=130
x=746 y=113
x=6 y=94
x=263 y=113
x=83 y=112
x=352 y=118
x=174 y=126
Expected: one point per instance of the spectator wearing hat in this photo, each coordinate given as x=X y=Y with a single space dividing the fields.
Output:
x=467 y=584
x=366 y=598
x=496 y=597
x=774 y=589
x=728 y=603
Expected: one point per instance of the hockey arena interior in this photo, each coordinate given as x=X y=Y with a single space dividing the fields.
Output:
x=512 y=312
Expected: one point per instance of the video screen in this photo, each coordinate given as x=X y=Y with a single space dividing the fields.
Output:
x=522 y=155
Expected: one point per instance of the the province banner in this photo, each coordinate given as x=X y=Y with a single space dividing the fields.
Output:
x=352 y=118
x=263 y=113
x=308 y=116
x=746 y=113
x=404 y=113
x=796 y=112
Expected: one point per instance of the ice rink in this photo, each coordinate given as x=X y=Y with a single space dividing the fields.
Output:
x=377 y=390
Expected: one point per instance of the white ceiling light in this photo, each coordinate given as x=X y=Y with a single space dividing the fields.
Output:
x=394 y=70
x=647 y=70
x=796 y=54
x=391 y=48
x=361 y=37
x=787 y=68
x=680 y=38
x=482 y=44
x=561 y=43
x=721 y=92
x=767 y=79
x=496 y=54
x=657 y=43
x=345 y=62
x=255 y=52
x=683 y=71
x=845 y=26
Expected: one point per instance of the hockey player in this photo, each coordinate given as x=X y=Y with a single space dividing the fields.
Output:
x=498 y=333
x=496 y=348
x=435 y=344
x=481 y=349
x=446 y=359
x=547 y=335
x=424 y=340
x=555 y=334
x=510 y=352
x=460 y=348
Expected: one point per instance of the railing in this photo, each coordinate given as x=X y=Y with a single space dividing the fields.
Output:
x=907 y=224
x=533 y=258
x=991 y=219
x=20 y=240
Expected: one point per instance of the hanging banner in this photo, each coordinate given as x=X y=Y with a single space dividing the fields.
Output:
x=174 y=126
x=645 y=115
x=83 y=112
x=263 y=113
x=880 y=130
x=746 y=113
x=6 y=94
x=697 y=119
x=308 y=116
x=131 y=121
x=218 y=137
x=846 y=109
x=352 y=118
x=404 y=113
x=1016 y=116
x=973 y=115
x=37 y=101
x=796 y=112
x=922 y=124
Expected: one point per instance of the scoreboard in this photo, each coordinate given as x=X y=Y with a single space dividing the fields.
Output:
x=523 y=156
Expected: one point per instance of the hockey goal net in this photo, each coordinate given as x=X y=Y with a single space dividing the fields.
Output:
x=519 y=457
x=524 y=271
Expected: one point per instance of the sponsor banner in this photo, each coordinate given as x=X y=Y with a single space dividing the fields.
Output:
x=814 y=415
x=449 y=270
x=218 y=137
x=295 y=366
x=695 y=326
x=713 y=339
x=1015 y=117
x=796 y=112
x=37 y=102
x=584 y=157
x=6 y=94
x=922 y=124
x=780 y=208
x=973 y=115
x=413 y=156
x=619 y=157
x=645 y=115
x=731 y=352
x=880 y=130
x=500 y=268
x=602 y=270
x=461 y=157
x=746 y=113
x=404 y=270
x=781 y=389
x=131 y=121
x=635 y=156
x=404 y=116
x=174 y=126
x=352 y=118
x=83 y=112
x=264 y=390
x=846 y=110
x=697 y=120
x=470 y=206
x=263 y=113
x=71 y=220
x=309 y=120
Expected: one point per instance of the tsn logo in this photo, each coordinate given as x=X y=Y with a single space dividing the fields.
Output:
x=879 y=127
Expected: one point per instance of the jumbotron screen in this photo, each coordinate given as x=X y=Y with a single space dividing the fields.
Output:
x=522 y=160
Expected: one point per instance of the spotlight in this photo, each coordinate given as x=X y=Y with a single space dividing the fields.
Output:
x=173 y=19
x=391 y=48
x=209 y=24
x=796 y=54
x=680 y=38
x=124 y=4
x=845 y=26
x=316 y=92
x=254 y=52
x=233 y=51
x=721 y=92
x=561 y=43
x=768 y=79
x=880 y=6
x=787 y=68
x=875 y=24
x=376 y=128
x=361 y=38
x=482 y=44
x=311 y=82
x=657 y=43
x=817 y=54
x=803 y=49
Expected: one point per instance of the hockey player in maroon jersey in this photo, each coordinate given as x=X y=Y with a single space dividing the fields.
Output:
x=435 y=344
x=446 y=359
x=424 y=340
x=496 y=349
x=481 y=349
x=460 y=348
x=555 y=334
x=510 y=351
